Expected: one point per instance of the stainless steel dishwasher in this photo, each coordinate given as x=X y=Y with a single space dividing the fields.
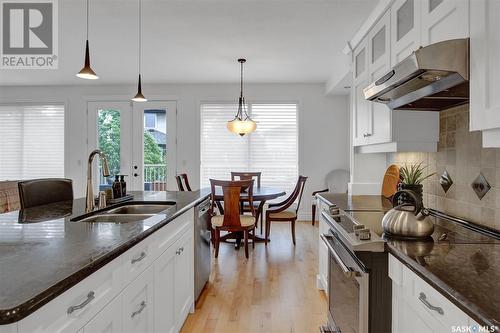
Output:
x=202 y=256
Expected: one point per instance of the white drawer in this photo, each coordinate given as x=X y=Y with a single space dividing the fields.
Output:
x=167 y=235
x=427 y=299
x=395 y=270
x=71 y=310
x=138 y=258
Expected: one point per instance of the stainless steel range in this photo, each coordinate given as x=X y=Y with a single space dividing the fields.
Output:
x=359 y=289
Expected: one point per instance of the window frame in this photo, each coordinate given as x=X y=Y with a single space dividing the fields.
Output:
x=49 y=101
x=250 y=104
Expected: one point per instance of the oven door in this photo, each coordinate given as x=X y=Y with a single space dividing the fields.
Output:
x=348 y=287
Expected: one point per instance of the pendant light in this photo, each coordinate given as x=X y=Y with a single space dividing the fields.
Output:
x=242 y=123
x=87 y=72
x=139 y=97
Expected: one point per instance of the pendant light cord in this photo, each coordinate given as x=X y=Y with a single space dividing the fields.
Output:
x=88 y=19
x=241 y=79
x=140 y=35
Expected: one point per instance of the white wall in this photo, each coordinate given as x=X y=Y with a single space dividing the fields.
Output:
x=323 y=122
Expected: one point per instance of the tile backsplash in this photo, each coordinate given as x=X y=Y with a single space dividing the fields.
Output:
x=460 y=153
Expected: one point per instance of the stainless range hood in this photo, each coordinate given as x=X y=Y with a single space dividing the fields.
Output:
x=433 y=78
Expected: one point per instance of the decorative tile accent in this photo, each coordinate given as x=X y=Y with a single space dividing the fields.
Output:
x=481 y=186
x=445 y=181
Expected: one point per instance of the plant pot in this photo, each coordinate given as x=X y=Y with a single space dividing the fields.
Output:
x=418 y=189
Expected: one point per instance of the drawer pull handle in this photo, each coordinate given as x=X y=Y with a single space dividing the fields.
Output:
x=141 y=308
x=424 y=300
x=90 y=297
x=142 y=256
x=179 y=251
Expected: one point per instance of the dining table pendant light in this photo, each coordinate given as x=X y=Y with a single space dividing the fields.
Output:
x=87 y=72
x=139 y=97
x=242 y=123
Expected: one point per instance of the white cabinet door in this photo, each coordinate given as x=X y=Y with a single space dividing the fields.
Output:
x=361 y=107
x=444 y=19
x=410 y=322
x=379 y=115
x=164 y=291
x=405 y=29
x=138 y=304
x=484 y=65
x=183 y=277
x=109 y=320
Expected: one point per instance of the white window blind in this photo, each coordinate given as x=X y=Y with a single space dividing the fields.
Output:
x=32 y=141
x=272 y=149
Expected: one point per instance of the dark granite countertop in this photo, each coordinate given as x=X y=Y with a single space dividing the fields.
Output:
x=43 y=253
x=357 y=202
x=465 y=267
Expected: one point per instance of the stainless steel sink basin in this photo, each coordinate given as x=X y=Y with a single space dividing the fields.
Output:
x=116 y=218
x=140 y=209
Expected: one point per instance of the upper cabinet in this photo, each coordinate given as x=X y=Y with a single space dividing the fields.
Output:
x=403 y=27
x=485 y=70
x=444 y=20
x=405 y=31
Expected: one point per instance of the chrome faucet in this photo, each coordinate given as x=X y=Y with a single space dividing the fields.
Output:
x=90 y=203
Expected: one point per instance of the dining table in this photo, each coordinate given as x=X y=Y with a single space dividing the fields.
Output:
x=261 y=195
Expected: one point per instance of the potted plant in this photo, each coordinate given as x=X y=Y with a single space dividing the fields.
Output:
x=412 y=177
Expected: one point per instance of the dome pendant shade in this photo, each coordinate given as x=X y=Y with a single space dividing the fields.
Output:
x=242 y=123
x=87 y=72
x=139 y=97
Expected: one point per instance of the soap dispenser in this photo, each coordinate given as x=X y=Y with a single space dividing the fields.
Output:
x=123 y=185
x=117 y=188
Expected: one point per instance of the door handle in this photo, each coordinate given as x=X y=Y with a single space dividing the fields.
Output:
x=348 y=271
x=136 y=175
x=142 y=306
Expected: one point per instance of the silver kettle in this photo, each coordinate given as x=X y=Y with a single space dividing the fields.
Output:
x=408 y=220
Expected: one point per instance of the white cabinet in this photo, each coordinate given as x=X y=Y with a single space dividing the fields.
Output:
x=165 y=288
x=379 y=57
x=444 y=20
x=418 y=307
x=322 y=277
x=361 y=107
x=174 y=292
x=109 y=320
x=184 y=286
x=485 y=69
x=405 y=29
x=138 y=304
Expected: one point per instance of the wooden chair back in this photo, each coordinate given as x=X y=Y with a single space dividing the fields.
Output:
x=296 y=194
x=246 y=176
x=231 y=191
x=182 y=182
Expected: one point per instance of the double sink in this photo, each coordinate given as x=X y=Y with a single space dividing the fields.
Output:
x=131 y=212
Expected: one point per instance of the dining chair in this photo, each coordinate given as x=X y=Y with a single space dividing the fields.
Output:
x=233 y=219
x=37 y=192
x=245 y=176
x=182 y=182
x=286 y=211
x=336 y=182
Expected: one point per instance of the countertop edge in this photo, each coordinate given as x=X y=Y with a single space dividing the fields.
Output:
x=452 y=295
x=26 y=308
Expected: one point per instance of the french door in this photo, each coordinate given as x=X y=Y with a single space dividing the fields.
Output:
x=138 y=139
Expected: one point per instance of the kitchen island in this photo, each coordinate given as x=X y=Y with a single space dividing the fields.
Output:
x=57 y=274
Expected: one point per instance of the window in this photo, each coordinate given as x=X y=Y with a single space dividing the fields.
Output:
x=149 y=120
x=32 y=141
x=272 y=149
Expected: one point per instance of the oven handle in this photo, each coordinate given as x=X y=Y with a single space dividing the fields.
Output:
x=348 y=271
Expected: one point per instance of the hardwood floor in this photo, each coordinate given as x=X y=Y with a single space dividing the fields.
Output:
x=273 y=291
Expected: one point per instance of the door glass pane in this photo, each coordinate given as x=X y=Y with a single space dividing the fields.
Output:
x=433 y=4
x=360 y=62
x=108 y=131
x=378 y=44
x=155 y=150
x=405 y=16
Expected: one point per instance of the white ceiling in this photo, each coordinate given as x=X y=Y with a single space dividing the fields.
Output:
x=198 y=41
